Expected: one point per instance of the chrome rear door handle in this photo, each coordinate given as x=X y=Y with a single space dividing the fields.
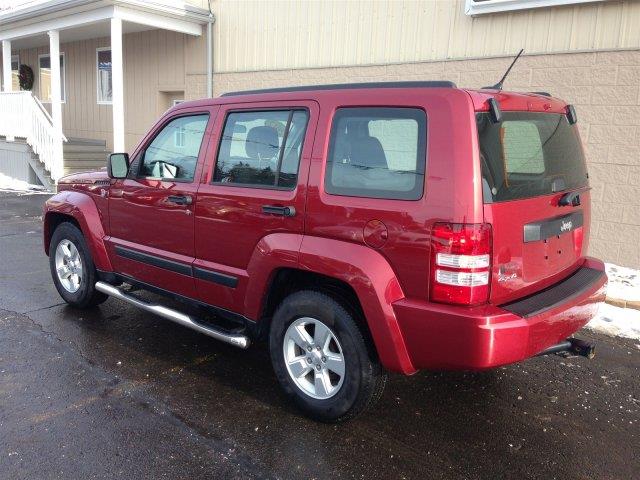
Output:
x=279 y=210
x=180 y=199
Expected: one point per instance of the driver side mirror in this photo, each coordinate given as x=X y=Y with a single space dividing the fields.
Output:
x=118 y=165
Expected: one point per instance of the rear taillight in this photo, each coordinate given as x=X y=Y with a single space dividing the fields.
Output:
x=460 y=263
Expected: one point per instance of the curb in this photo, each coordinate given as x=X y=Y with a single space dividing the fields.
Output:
x=618 y=302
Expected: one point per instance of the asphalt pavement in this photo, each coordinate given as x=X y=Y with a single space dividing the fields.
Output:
x=114 y=392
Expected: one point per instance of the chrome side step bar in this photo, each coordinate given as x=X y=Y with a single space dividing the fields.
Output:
x=236 y=339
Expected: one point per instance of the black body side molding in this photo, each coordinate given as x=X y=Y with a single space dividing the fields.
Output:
x=178 y=267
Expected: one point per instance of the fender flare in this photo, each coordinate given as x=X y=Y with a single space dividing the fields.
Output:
x=363 y=268
x=376 y=286
x=84 y=211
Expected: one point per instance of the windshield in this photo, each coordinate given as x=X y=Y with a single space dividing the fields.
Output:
x=529 y=154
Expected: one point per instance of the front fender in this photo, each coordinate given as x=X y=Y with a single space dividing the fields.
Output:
x=84 y=211
x=376 y=286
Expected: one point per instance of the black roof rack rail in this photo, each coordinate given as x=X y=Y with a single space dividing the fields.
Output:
x=544 y=94
x=348 y=86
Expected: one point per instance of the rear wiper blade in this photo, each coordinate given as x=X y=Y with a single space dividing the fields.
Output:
x=569 y=199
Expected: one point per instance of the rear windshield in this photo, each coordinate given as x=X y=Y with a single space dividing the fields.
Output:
x=529 y=154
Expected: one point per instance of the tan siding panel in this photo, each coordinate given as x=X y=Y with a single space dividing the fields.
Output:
x=153 y=60
x=608 y=105
x=280 y=34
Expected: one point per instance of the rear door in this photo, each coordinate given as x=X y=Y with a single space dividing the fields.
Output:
x=531 y=161
x=258 y=165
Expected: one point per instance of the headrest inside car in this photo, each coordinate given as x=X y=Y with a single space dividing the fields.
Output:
x=262 y=143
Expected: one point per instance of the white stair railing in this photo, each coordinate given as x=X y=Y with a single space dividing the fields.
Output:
x=23 y=116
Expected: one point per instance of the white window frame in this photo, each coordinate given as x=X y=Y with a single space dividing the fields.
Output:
x=179 y=138
x=496 y=6
x=102 y=102
x=179 y=135
x=63 y=80
x=15 y=58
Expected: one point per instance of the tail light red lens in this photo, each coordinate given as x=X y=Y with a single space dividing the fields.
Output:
x=460 y=263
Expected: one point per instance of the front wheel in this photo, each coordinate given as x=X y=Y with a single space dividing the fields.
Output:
x=322 y=359
x=72 y=268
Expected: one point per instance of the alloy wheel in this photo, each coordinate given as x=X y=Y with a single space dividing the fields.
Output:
x=314 y=359
x=69 y=266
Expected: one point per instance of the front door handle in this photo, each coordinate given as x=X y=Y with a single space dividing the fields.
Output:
x=279 y=210
x=180 y=199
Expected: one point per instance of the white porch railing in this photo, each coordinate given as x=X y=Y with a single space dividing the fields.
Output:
x=23 y=116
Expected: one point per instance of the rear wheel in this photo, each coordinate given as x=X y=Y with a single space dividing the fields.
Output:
x=72 y=268
x=322 y=359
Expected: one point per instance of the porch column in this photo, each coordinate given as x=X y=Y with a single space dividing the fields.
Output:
x=6 y=65
x=117 y=85
x=56 y=101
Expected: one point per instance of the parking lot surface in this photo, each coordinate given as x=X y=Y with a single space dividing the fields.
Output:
x=116 y=392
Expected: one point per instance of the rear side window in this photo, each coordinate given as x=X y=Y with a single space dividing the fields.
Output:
x=261 y=148
x=529 y=154
x=377 y=153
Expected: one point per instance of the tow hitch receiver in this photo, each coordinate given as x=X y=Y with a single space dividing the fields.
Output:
x=571 y=347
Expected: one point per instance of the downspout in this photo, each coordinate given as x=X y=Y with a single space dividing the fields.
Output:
x=210 y=22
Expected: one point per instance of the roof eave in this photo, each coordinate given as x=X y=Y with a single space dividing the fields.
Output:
x=54 y=6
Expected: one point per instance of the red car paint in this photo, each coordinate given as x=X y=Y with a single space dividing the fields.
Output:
x=381 y=248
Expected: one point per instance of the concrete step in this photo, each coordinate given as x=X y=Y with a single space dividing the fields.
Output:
x=74 y=147
x=71 y=156
x=38 y=167
x=85 y=141
x=69 y=171
x=85 y=166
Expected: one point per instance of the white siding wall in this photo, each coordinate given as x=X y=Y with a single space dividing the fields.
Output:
x=280 y=34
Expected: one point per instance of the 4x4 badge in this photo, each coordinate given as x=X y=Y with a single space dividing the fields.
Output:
x=566 y=226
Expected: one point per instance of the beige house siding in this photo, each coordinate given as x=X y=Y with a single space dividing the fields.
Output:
x=276 y=34
x=154 y=66
x=588 y=54
x=604 y=86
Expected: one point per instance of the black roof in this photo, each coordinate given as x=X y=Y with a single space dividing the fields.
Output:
x=348 y=86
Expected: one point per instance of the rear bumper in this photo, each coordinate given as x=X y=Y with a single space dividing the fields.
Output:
x=456 y=338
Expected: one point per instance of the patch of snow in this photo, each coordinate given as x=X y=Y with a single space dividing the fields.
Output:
x=616 y=322
x=8 y=184
x=624 y=283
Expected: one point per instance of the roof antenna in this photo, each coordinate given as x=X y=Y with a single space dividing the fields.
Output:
x=498 y=86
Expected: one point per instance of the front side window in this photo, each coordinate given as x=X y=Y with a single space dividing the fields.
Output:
x=261 y=148
x=377 y=153
x=45 y=78
x=173 y=153
x=104 y=76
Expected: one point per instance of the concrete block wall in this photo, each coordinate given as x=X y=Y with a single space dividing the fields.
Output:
x=604 y=87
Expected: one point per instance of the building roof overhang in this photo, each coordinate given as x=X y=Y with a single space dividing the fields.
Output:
x=83 y=19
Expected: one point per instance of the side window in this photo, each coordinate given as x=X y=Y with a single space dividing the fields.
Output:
x=522 y=147
x=261 y=148
x=173 y=153
x=377 y=153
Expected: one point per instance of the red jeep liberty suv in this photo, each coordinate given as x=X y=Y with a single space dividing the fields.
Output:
x=359 y=229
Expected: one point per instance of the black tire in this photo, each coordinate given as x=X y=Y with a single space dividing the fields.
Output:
x=86 y=296
x=364 y=377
